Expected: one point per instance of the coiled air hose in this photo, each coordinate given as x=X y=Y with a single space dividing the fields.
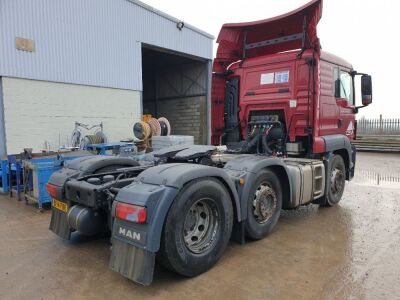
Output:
x=155 y=127
x=142 y=130
x=165 y=126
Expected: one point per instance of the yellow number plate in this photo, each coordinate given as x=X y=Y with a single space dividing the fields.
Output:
x=60 y=205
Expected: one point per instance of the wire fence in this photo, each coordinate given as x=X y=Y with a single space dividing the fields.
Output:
x=379 y=178
x=381 y=126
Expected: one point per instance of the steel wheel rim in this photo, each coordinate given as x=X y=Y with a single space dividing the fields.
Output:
x=264 y=203
x=201 y=226
x=337 y=181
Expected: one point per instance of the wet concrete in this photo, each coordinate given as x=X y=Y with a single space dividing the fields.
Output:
x=351 y=251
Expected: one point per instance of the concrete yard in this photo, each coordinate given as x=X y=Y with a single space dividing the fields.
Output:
x=351 y=251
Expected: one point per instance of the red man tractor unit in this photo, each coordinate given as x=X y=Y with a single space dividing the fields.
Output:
x=283 y=111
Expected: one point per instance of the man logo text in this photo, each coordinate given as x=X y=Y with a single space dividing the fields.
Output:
x=129 y=234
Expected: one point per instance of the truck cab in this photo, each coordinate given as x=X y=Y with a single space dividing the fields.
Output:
x=274 y=72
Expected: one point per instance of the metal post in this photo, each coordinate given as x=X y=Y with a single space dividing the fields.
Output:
x=208 y=100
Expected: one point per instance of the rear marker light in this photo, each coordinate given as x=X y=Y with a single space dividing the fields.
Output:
x=52 y=190
x=131 y=213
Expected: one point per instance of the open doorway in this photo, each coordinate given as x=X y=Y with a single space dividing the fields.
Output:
x=176 y=87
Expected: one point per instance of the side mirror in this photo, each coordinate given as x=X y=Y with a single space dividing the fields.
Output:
x=366 y=90
x=337 y=88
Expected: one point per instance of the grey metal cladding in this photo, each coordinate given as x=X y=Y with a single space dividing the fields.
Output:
x=92 y=42
x=2 y=129
x=173 y=19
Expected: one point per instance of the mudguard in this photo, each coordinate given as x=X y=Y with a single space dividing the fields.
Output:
x=176 y=175
x=73 y=169
x=247 y=168
x=339 y=142
x=156 y=188
x=89 y=164
x=59 y=224
x=135 y=245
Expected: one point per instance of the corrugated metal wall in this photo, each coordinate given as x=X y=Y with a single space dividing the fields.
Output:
x=182 y=81
x=91 y=42
x=2 y=129
x=181 y=98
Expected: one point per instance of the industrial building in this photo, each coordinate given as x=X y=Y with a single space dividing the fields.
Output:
x=97 y=61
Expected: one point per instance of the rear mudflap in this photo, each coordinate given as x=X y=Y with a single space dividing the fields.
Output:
x=59 y=224
x=132 y=262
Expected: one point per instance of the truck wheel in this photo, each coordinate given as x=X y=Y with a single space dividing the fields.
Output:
x=264 y=205
x=197 y=228
x=337 y=181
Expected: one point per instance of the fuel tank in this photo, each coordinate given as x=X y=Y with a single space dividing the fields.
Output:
x=307 y=180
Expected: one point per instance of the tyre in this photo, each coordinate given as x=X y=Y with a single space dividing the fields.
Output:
x=264 y=205
x=197 y=228
x=337 y=182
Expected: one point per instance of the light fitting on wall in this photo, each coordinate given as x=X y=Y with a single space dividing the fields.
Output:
x=180 y=25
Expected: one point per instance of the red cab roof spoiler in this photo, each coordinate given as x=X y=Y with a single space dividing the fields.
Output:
x=294 y=30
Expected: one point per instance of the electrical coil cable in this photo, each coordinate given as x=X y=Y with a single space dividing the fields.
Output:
x=101 y=135
x=155 y=127
x=142 y=130
x=91 y=140
x=165 y=126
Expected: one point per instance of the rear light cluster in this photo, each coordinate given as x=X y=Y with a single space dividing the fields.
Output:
x=131 y=213
x=52 y=190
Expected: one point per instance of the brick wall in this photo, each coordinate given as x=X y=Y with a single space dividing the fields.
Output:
x=186 y=115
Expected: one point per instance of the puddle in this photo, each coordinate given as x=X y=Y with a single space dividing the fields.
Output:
x=369 y=177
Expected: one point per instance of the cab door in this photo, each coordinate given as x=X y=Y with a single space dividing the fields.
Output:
x=344 y=96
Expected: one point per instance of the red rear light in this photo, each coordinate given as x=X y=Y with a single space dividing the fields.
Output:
x=52 y=190
x=131 y=213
